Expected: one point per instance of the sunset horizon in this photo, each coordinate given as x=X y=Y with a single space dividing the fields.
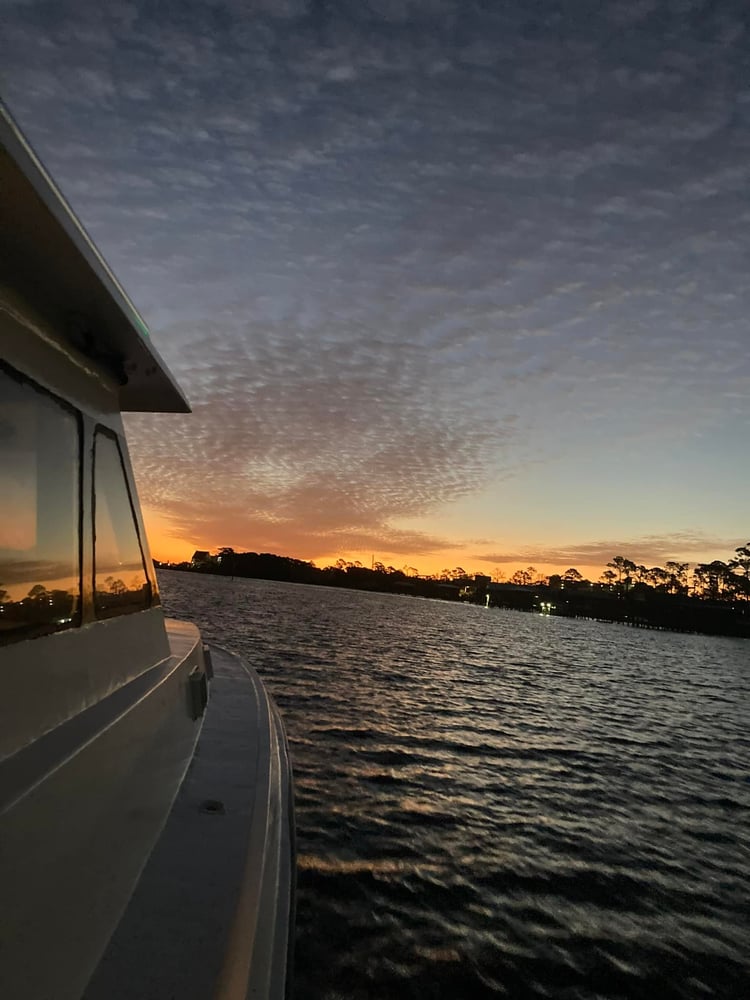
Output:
x=648 y=552
x=465 y=289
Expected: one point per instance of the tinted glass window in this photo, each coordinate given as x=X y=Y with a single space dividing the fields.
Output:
x=120 y=581
x=39 y=511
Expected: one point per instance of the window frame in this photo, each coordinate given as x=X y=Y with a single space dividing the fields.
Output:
x=149 y=603
x=37 y=631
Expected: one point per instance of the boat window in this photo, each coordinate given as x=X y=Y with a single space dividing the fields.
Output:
x=40 y=584
x=120 y=581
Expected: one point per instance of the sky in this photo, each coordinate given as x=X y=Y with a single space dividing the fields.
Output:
x=447 y=282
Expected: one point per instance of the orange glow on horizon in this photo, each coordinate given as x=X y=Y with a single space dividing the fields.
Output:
x=167 y=546
x=164 y=544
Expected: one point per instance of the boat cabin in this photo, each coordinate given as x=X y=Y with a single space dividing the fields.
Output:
x=104 y=699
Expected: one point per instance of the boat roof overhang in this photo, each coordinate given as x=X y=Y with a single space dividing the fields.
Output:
x=48 y=258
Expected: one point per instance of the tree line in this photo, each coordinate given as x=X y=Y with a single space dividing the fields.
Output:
x=343 y=573
x=715 y=581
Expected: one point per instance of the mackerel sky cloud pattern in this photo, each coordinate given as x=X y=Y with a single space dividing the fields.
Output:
x=428 y=271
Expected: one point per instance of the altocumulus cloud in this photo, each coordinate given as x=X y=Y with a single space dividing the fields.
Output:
x=394 y=251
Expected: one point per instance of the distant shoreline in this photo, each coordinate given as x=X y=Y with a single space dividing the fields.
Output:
x=636 y=607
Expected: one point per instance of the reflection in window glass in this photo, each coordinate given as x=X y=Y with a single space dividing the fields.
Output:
x=120 y=581
x=39 y=512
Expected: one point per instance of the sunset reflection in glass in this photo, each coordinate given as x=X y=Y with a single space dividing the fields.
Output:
x=39 y=500
x=120 y=579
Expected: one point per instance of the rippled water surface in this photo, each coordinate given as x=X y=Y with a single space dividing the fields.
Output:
x=500 y=804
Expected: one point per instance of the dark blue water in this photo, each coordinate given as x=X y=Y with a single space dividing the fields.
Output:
x=500 y=804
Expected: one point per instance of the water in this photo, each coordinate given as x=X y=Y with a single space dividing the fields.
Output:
x=495 y=804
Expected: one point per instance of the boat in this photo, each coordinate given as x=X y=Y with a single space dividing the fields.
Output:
x=146 y=794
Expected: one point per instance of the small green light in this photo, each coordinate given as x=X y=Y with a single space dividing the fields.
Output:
x=142 y=327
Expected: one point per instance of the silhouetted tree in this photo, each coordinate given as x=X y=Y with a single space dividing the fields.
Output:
x=676 y=577
x=624 y=569
x=713 y=579
x=741 y=562
x=617 y=566
x=658 y=578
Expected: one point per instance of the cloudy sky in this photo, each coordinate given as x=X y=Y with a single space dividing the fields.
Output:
x=447 y=282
